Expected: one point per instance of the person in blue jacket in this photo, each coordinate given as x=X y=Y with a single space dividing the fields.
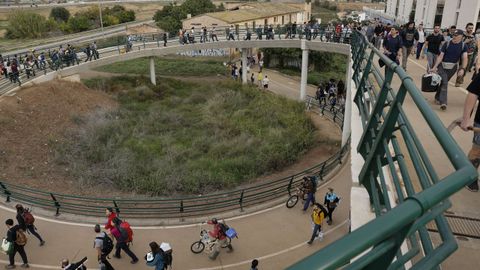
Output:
x=155 y=257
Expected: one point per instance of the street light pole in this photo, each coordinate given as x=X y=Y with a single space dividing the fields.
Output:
x=101 y=20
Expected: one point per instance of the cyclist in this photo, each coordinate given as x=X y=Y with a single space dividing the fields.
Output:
x=218 y=234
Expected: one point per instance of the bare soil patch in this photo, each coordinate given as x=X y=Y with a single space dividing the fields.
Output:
x=38 y=117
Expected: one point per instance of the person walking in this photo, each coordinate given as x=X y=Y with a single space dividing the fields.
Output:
x=309 y=188
x=471 y=41
x=420 y=38
x=331 y=202
x=164 y=36
x=470 y=101
x=408 y=38
x=265 y=82
x=392 y=45
x=221 y=239
x=446 y=65
x=111 y=215
x=254 y=265
x=25 y=220
x=432 y=45
x=104 y=245
x=252 y=78
x=259 y=79
x=155 y=256
x=121 y=235
x=17 y=237
x=318 y=215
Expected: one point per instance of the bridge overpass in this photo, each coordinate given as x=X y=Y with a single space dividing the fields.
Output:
x=381 y=189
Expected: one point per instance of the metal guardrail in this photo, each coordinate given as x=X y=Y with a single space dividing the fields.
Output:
x=152 y=41
x=181 y=207
x=387 y=143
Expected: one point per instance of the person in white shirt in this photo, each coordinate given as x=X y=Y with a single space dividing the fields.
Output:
x=420 y=38
x=265 y=82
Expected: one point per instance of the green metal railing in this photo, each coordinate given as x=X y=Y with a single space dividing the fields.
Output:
x=180 y=207
x=390 y=141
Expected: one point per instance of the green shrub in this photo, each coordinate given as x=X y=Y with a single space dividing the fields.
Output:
x=179 y=137
x=24 y=24
x=79 y=24
x=60 y=14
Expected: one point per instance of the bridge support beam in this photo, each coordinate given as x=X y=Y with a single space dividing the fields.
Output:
x=153 y=78
x=303 y=79
x=244 y=65
x=347 y=115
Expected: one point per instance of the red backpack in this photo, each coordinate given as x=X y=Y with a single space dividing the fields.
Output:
x=126 y=226
x=28 y=217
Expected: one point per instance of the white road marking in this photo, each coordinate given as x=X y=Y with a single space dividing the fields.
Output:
x=42 y=266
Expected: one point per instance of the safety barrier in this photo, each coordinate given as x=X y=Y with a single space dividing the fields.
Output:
x=388 y=143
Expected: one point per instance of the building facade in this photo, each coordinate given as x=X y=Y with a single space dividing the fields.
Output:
x=430 y=12
x=252 y=15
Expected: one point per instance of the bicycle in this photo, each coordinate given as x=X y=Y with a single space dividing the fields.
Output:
x=205 y=241
x=293 y=199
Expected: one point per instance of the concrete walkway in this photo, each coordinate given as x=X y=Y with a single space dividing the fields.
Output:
x=465 y=203
x=276 y=236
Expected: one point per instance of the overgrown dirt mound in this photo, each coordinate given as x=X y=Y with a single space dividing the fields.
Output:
x=33 y=121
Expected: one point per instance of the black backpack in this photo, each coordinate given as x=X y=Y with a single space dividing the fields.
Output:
x=223 y=228
x=107 y=244
x=167 y=259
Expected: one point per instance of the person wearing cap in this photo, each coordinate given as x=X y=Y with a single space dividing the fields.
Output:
x=155 y=256
x=331 y=202
x=446 y=65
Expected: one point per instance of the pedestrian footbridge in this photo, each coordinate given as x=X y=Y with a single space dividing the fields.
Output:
x=396 y=194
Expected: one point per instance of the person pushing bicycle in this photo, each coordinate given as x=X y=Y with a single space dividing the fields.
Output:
x=218 y=233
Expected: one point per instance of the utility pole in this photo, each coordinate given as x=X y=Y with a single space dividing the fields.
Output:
x=101 y=20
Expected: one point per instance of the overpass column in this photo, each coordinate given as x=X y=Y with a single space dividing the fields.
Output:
x=244 y=66
x=303 y=80
x=347 y=117
x=153 y=79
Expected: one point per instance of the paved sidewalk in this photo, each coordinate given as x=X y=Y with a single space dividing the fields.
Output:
x=465 y=203
x=276 y=236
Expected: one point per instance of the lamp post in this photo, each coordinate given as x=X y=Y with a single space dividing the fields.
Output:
x=101 y=20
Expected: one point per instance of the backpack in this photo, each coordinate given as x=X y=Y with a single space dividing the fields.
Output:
x=223 y=228
x=166 y=252
x=314 y=180
x=448 y=44
x=21 y=238
x=167 y=259
x=126 y=228
x=107 y=244
x=28 y=217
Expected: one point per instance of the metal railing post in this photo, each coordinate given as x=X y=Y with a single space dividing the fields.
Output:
x=56 y=203
x=289 y=188
x=241 y=201
x=6 y=192
x=322 y=170
x=117 y=210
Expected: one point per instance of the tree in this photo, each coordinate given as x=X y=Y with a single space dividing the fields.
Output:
x=60 y=14
x=79 y=24
x=24 y=24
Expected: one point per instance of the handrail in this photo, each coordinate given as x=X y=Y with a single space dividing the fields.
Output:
x=182 y=206
x=387 y=142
